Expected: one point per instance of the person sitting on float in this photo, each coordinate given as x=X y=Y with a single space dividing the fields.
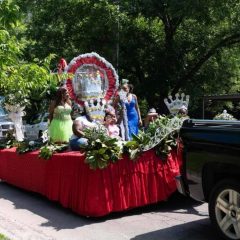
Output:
x=152 y=115
x=183 y=111
x=110 y=121
x=79 y=124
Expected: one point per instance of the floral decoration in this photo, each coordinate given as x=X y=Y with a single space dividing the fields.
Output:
x=92 y=59
x=224 y=116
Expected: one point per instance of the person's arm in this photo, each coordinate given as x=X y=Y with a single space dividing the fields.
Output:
x=138 y=111
x=51 y=111
x=77 y=128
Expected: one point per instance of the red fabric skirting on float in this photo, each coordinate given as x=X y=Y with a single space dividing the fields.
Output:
x=67 y=179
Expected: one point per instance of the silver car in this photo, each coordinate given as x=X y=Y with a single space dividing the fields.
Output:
x=37 y=127
x=6 y=124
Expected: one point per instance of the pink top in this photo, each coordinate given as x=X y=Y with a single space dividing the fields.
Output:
x=113 y=130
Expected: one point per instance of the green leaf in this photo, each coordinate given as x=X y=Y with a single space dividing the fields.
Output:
x=134 y=154
x=106 y=157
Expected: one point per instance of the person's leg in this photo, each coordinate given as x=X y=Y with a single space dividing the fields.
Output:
x=77 y=142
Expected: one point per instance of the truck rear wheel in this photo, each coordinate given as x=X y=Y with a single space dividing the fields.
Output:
x=224 y=208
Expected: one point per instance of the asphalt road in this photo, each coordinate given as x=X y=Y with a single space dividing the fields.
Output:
x=28 y=216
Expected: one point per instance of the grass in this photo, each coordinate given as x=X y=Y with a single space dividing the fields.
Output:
x=2 y=237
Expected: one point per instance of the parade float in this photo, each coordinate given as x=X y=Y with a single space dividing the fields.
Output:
x=109 y=175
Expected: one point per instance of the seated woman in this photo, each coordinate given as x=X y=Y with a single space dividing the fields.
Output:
x=110 y=121
x=79 y=124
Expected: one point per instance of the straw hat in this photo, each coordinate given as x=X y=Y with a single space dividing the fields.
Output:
x=152 y=112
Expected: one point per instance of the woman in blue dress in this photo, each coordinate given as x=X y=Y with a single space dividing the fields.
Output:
x=132 y=109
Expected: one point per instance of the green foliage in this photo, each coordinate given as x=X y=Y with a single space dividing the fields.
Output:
x=167 y=129
x=164 y=45
x=134 y=147
x=9 y=141
x=49 y=149
x=167 y=144
x=101 y=150
x=143 y=106
x=28 y=146
x=2 y=237
x=21 y=82
x=25 y=81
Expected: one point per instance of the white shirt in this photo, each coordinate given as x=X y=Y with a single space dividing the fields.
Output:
x=84 y=124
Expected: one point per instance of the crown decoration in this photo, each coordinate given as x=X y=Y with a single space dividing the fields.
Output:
x=175 y=105
x=87 y=83
x=96 y=109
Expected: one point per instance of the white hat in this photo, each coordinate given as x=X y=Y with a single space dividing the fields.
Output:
x=124 y=81
x=183 y=107
x=152 y=112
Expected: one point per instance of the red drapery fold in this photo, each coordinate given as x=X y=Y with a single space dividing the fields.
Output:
x=67 y=179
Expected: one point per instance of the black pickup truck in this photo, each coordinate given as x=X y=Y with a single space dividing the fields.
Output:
x=211 y=170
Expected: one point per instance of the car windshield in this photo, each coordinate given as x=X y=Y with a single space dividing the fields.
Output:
x=2 y=112
x=45 y=119
x=39 y=118
x=35 y=119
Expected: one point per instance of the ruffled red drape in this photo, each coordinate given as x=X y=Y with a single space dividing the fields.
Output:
x=67 y=179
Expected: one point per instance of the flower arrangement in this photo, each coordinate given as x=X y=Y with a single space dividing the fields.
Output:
x=224 y=116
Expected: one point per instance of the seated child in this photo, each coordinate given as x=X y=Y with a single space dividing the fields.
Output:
x=110 y=121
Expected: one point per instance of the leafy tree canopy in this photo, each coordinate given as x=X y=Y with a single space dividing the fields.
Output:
x=164 y=45
x=21 y=82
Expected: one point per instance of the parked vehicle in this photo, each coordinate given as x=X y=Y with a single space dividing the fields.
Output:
x=211 y=170
x=37 y=126
x=6 y=124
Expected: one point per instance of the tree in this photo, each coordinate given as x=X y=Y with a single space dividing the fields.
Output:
x=21 y=82
x=165 y=45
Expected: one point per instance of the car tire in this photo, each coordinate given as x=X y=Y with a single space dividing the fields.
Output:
x=224 y=208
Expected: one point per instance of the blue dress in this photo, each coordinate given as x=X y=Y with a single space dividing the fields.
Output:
x=132 y=116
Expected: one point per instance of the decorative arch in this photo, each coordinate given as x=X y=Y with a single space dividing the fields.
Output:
x=91 y=77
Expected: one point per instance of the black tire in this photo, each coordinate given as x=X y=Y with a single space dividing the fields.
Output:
x=224 y=208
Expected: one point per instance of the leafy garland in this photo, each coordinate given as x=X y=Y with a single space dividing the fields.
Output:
x=101 y=149
x=166 y=140
x=47 y=148
x=9 y=141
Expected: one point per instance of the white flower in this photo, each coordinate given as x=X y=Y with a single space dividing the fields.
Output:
x=31 y=143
